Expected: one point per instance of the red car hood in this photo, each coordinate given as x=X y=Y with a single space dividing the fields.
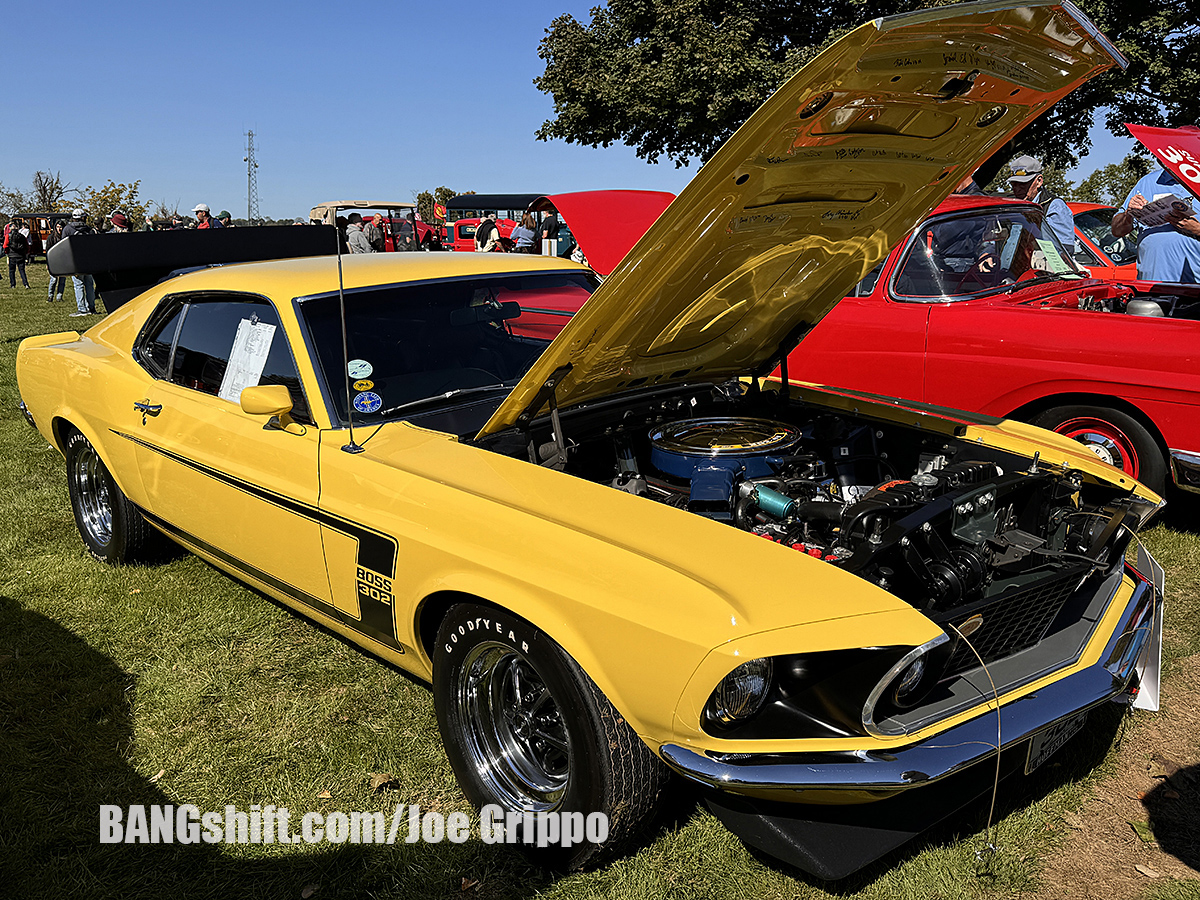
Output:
x=607 y=224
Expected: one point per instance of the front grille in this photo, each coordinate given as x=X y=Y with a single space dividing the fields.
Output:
x=1011 y=622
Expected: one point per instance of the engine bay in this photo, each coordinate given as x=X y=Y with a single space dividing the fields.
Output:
x=951 y=527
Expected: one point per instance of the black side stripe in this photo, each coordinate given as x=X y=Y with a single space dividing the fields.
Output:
x=376 y=551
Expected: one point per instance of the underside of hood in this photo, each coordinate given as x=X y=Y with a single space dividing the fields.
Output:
x=810 y=193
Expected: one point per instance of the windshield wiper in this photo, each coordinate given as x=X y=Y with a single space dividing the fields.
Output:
x=446 y=395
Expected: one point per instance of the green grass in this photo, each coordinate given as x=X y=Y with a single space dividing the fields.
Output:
x=109 y=677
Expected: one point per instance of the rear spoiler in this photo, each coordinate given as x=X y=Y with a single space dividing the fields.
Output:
x=125 y=265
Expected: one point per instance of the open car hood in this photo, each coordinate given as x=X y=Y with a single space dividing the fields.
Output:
x=606 y=224
x=810 y=193
x=1178 y=149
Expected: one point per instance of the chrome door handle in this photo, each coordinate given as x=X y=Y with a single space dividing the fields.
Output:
x=146 y=408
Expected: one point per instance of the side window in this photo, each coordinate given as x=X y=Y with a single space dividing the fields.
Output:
x=867 y=285
x=154 y=351
x=225 y=345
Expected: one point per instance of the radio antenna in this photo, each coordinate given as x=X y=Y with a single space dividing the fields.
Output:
x=351 y=447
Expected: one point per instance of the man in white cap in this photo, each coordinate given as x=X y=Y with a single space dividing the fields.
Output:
x=1026 y=181
x=204 y=218
x=85 y=285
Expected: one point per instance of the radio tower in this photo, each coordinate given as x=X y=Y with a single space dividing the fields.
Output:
x=251 y=180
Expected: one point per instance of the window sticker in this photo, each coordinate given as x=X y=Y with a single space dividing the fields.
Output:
x=1054 y=261
x=367 y=402
x=364 y=385
x=359 y=368
x=247 y=357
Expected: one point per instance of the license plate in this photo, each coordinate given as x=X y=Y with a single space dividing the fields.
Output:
x=1046 y=743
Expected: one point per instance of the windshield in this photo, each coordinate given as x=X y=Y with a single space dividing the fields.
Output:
x=1096 y=224
x=436 y=341
x=980 y=252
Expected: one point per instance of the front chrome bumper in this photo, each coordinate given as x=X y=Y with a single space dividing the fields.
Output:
x=25 y=412
x=867 y=775
x=1185 y=469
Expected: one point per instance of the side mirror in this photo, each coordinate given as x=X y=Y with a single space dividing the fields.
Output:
x=266 y=400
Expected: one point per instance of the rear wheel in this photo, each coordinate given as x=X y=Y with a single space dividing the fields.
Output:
x=111 y=527
x=1115 y=437
x=526 y=729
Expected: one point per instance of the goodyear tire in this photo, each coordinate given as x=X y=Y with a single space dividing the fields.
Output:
x=527 y=730
x=1115 y=437
x=111 y=527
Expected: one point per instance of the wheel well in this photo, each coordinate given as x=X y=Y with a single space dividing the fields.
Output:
x=433 y=609
x=1033 y=409
x=61 y=429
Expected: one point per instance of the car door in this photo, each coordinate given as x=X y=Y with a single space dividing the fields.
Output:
x=232 y=485
x=868 y=342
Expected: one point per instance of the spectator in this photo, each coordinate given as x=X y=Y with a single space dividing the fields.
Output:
x=487 y=235
x=225 y=219
x=1167 y=252
x=58 y=283
x=547 y=231
x=523 y=235
x=203 y=218
x=1026 y=181
x=149 y=226
x=177 y=223
x=17 y=248
x=120 y=222
x=85 y=285
x=356 y=239
x=374 y=233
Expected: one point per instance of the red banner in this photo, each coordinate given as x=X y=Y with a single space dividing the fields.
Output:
x=439 y=211
x=1177 y=148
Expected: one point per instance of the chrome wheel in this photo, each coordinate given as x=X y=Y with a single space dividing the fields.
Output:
x=516 y=738
x=94 y=503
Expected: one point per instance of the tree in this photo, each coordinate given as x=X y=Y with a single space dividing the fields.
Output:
x=100 y=204
x=675 y=78
x=50 y=193
x=425 y=202
x=13 y=201
x=1112 y=184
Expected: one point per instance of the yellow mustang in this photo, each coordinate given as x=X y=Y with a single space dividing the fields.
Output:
x=631 y=552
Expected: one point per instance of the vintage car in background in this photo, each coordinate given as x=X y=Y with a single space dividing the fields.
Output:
x=402 y=229
x=460 y=234
x=1097 y=249
x=631 y=552
x=980 y=308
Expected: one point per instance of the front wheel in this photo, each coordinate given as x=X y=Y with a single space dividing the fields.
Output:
x=111 y=526
x=526 y=729
x=1115 y=437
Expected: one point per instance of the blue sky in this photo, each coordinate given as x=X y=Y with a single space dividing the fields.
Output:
x=347 y=101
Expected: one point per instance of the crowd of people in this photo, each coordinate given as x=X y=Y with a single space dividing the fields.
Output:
x=22 y=243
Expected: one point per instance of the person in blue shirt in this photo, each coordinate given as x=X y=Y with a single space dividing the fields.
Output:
x=1167 y=252
x=1026 y=181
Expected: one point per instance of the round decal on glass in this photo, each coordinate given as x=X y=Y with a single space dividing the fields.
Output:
x=367 y=402
x=359 y=368
x=363 y=385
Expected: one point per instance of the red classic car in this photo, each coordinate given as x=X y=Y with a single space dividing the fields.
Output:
x=981 y=309
x=1096 y=248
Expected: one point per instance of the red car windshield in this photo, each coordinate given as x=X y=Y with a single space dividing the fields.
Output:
x=980 y=252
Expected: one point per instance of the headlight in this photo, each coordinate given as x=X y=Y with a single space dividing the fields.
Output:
x=742 y=692
x=904 y=686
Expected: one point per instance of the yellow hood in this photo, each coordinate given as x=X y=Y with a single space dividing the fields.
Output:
x=811 y=192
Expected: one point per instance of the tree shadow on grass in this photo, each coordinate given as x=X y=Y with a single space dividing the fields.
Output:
x=1173 y=807
x=66 y=733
